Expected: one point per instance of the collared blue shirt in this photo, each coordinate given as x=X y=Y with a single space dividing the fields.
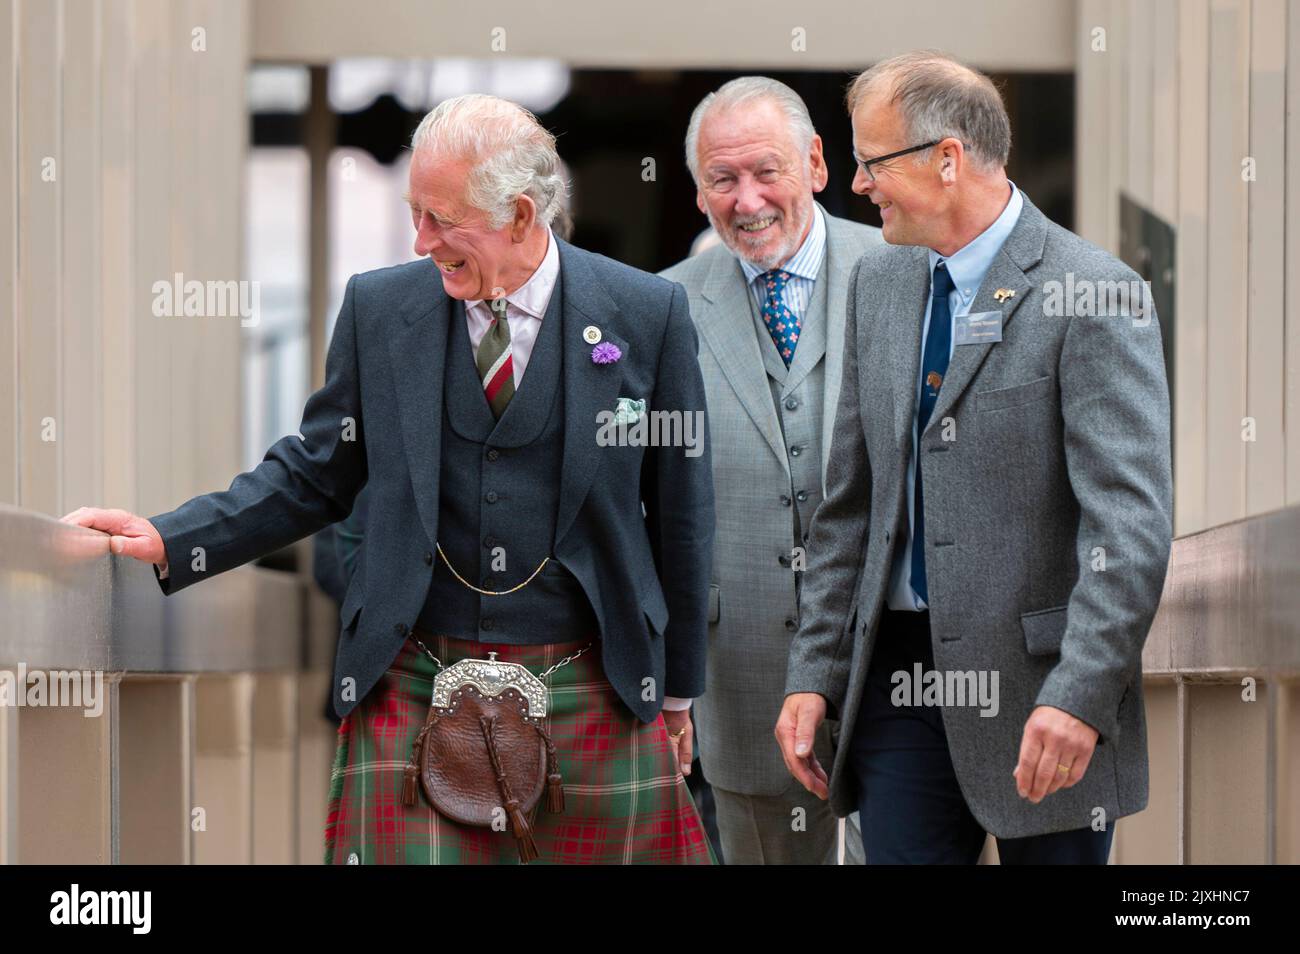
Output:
x=803 y=265
x=967 y=266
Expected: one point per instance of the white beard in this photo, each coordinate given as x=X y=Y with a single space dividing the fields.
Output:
x=771 y=261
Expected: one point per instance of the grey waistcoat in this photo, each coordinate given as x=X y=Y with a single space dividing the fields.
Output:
x=797 y=396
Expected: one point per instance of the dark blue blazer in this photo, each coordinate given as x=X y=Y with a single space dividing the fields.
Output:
x=645 y=573
x=335 y=550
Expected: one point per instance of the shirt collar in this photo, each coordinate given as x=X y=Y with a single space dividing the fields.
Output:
x=534 y=295
x=969 y=264
x=806 y=262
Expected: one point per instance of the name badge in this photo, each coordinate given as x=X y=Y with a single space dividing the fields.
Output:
x=982 y=327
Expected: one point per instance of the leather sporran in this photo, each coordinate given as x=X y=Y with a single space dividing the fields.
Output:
x=483 y=757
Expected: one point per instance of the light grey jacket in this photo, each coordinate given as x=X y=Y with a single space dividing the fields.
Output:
x=1048 y=519
x=752 y=595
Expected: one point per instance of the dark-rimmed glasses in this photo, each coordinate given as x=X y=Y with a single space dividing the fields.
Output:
x=866 y=164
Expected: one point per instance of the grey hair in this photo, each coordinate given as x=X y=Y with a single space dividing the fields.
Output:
x=743 y=90
x=939 y=97
x=512 y=154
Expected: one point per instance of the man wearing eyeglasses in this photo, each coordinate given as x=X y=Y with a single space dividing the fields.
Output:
x=768 y=303
x=993 y=543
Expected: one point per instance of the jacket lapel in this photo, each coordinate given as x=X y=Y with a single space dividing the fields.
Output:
x=839 y=266
x=727 y=326
x=588 y=387
x=1022 y=250
x=906 y=314
x=417 y=350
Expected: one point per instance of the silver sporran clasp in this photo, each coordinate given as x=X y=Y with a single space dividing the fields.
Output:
x=491 y=677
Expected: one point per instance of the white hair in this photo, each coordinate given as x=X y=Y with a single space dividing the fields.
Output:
x=512 y=154
x=747 y=89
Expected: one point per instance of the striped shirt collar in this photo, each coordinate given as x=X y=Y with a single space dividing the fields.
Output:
x=804 y=263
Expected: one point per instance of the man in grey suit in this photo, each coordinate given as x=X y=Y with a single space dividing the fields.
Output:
x=993 y=543
x=768 y=304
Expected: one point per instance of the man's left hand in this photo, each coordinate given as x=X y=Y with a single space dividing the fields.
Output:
x=683 y=744
x=1054 y=752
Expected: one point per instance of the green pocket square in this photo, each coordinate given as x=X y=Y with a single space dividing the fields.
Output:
x=628 y=410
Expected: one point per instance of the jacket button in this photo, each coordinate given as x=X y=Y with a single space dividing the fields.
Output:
x=886 y=536
x=493 y=454
x=428 y=559
x=783 y=560
x=802 y=495
x=485 y=622
x=796 y=450
x=400 y=629
x=491 y=496
x=791 y=625
x=785 y=501
x=791 y=404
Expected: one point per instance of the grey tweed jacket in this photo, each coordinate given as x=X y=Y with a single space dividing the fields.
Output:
x=1048 y=519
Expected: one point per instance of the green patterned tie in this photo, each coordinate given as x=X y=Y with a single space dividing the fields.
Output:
x=495 y=366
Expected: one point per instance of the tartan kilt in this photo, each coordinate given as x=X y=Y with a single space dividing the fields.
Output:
x=625 y=800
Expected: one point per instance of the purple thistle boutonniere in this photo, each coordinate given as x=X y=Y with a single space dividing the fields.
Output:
x=605 y=353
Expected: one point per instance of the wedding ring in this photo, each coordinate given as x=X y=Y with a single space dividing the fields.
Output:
x=678 y=734
x=1063 y=769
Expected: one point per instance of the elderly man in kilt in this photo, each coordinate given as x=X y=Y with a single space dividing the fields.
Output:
x=520 y=522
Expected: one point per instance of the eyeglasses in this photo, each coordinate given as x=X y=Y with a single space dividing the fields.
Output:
x=866 y=164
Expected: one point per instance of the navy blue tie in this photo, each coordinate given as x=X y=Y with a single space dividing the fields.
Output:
x=934 y=365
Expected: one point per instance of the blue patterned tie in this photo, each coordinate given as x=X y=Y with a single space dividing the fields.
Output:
x=934 y=365
x=782 y=323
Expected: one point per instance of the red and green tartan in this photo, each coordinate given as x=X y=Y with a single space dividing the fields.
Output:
x=625 y=800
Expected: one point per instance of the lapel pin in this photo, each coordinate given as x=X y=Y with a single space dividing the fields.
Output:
x=1002 y=294
x=591 y=334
